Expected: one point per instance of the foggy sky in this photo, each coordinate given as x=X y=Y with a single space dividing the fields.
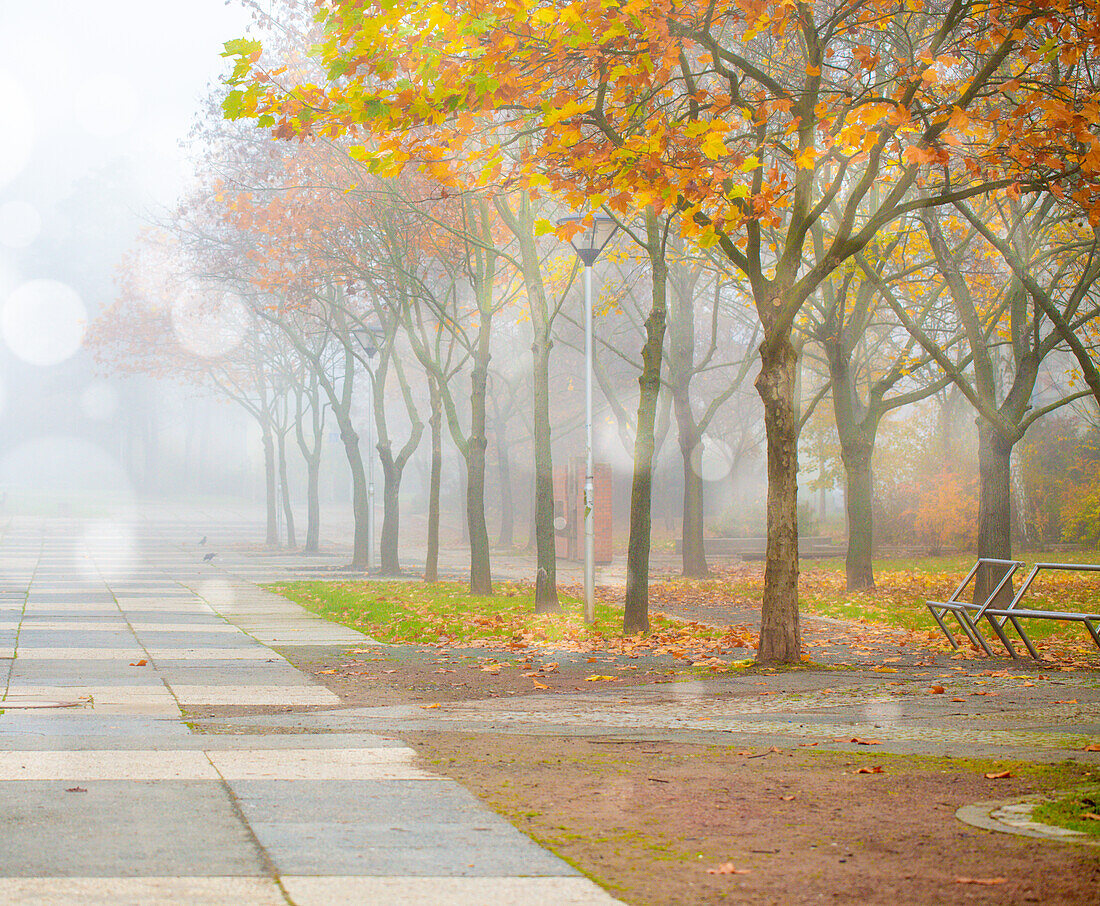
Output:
x=96 y=98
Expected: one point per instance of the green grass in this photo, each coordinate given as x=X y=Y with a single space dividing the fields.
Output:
x=903 y=585
x=1069 y=811
x=415 y=613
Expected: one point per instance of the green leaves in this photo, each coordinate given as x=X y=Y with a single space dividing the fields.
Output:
x=246 y=52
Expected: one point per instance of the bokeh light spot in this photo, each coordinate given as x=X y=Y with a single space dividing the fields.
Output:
x=17 y=136
x=99 y=401
x=20 y=224
x=43 y=322
x=711 y=459
x=208 y=324
x=106 y=105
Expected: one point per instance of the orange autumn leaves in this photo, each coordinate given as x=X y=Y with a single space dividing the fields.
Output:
x=724 y=110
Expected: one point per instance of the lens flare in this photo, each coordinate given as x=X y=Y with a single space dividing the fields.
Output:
x=43 y=322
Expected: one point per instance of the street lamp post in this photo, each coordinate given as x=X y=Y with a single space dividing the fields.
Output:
x=367 y=338
x=595 y=232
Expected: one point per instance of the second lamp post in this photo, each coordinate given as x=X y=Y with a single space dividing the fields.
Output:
x=595 y=232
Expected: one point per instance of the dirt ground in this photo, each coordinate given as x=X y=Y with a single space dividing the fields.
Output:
x=668 y=823
x=399 y=674
x=662 y=823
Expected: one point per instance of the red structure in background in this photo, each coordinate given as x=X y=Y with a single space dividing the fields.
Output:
x=569 y=511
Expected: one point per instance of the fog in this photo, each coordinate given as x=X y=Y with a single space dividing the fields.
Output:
x=97 y=99
x=109 y=127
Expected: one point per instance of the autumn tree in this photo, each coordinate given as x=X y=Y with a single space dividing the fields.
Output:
x=1031 y=267
x=743 y=117
x=875 y=366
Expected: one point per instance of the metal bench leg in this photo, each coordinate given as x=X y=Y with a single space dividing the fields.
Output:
x=999 y=629
x=968 y=631
x=1027 y=642
x=943 y=626
x=1093 y=632
x=974 y=634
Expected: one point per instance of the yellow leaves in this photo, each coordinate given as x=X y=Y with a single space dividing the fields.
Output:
x=713 y=144
x=565 y=111
x=805 y=158
x=543 y=227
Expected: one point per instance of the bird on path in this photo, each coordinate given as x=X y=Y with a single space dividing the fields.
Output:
x=201 y=543
x=208 y=557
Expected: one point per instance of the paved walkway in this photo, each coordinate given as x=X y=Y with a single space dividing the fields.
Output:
x=109 y=634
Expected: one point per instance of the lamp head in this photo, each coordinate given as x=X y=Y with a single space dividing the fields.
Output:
x=596 y=231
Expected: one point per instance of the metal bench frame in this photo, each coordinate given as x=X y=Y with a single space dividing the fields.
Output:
x=969 y=614
x=1014 y=614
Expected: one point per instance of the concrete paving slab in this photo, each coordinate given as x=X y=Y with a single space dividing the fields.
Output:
x=255 y=695
x=381 y=802
x=98 y=765
x=250 y=673
x=77 y=728
x=253 y=652
x=443 y=891
x=140 y=891
x=31 y=672
x=387 y=763
x=323 y=847
x=206 y=626
x=43 y=653
x=359 y=803
x=32 y=625
x=154 y=829
x=35 y=638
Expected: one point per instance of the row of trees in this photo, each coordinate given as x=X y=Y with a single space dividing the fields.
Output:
x=906 y=190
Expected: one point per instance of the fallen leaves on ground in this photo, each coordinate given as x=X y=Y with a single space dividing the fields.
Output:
x=446 y=615
x=141 y=663
x=728 y=868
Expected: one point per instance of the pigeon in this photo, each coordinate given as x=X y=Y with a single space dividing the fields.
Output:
x=208 y=557
x=201 y=543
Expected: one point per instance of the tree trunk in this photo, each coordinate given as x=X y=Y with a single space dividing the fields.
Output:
x=546 y=598
x=391 y=514
x=359 y=502
x=481 y=578
x=994 y=510
x=431 y=565
x=284 y=483
x=506 y=538
x=636 y=605
x=780 y=638
x=858 y=567
x=270 y=495
x=693 y=552
x=313 y=504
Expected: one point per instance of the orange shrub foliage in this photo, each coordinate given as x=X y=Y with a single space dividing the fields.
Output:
x=943 y=510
